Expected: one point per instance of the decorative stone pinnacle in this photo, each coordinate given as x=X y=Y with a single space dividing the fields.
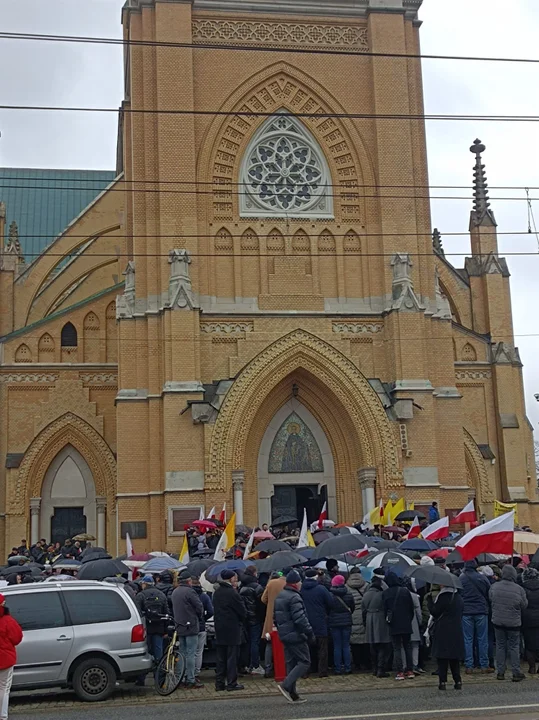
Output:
x=13 y=243
x=481 y=200
x=437 y=242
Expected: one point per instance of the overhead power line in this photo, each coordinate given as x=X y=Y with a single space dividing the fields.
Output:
x=256 y=48
x=361 y=235
x=345 y=194
x=253 y=113
x=255 y=254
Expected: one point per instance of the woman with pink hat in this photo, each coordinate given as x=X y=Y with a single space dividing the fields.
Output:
x=340 y=624
x=10 y=637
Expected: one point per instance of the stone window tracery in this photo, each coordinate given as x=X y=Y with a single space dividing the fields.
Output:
x=284 y=173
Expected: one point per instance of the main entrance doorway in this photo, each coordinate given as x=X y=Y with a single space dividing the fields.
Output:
x=290 y=500
x=66 y=523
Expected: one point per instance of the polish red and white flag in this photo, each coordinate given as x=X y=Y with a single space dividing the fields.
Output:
x=495 y=536
x=466 y=515
x=437 y=530
x=222 y=516
x=211 y=514
x=323 y=516
x=415 y=529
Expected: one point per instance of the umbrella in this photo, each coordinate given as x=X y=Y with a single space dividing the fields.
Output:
x=16 y=570
x=263 y=535
x=345 y=530
x=158 y=564
x=95 y=553
x=280 y=560
x=101 y=568
x=244 y=529
x=284 y=520
x=212 y=573
x=306 y=551
x=380 y=544
x=54 y=578
x=526 y=542
x=197 y=567
x=66 y=564
x=205 y=552
x=454 y=557
x=271 y=546
x=387 y=559
x=204 y=525
x=158 y=553
x=322 y=535
x=394 y=529
x=337 y=545
x=434 y=575
x=342 y=566
x=419 y=545
x=16 y=559
x=440 y=553
x=137 y=560
x=410 y=515
x=83 y=537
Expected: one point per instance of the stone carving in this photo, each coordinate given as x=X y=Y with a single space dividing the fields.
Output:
x=489 y=264
x=475 y=464
x=47 y=378
x=357 y=327
x=473 y=375
x=443 y=308
x=277 y=93
x=505 y=353
x=99 y=378
x=180 y=291
x=437 y=242
x=125 y=304
x=481 y=205
x=226 y=327
x=250 y=391
x=404 y=297
x=242 y=32
x=13 y=243
x=68 y=429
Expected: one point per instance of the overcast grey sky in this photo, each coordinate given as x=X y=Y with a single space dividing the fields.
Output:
x=91 y=75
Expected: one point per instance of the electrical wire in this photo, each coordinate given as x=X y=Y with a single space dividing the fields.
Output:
x=255 y=254
x=361 y=235
x=256 y=48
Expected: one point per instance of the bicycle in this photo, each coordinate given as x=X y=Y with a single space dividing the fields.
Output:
x=171 y=668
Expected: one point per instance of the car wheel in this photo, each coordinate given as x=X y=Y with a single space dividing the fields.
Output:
x=94 y=679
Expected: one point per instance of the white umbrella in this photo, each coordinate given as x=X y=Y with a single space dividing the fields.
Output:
x=387 y=558
x=206 y=584
x=159 y=553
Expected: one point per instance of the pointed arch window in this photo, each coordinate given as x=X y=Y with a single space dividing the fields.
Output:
x=285 y=173
x=69 y=335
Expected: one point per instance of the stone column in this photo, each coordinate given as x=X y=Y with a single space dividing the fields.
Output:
x=367 y=483
x=35 y=509
x=101 y=506
x=238 y=478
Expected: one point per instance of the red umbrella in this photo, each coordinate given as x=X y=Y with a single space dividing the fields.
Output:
x=394 y=529
x=263 y=535
x=140 y=556
x=442 y=552
x=204 y=525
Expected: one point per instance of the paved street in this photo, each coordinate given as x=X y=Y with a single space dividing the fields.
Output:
x=333 y=699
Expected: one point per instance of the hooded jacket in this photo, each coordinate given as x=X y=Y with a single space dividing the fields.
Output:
x=357 y=585
x=318 y=603
x=508 y=600
x=342 y=607
x=398 y=604
x=291 y=618
x=251 y=593
x=10 y=637
x=206 y=604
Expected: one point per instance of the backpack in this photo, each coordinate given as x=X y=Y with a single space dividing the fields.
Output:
x=153 y=607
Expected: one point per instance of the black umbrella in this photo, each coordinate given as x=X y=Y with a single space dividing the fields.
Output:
x=271 y=546
x=320 y=535
x=410 y=515
x=94 y=553
x=197 y=567
x=16 y=570
x=434 y=575
x=101 y=568
x=337 y=545
x=243 y=530
x=279 y=561
x=205 y=552
x=382 y=544
x=284 y=520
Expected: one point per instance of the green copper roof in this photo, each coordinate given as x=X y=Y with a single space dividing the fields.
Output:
x=44 y=202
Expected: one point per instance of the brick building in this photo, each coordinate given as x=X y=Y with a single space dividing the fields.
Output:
x=256 y=309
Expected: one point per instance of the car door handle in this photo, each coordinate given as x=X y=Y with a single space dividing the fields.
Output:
x=63 y=638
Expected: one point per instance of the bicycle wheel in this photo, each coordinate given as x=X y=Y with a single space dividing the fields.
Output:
x=170 y=672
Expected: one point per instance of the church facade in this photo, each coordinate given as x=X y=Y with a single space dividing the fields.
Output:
x=256 y=309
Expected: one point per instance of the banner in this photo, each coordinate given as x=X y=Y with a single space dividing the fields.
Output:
x=501 y=508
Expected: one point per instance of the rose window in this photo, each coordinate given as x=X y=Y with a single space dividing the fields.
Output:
x=284 y=173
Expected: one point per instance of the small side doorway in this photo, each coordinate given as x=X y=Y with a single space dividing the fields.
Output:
x=66 y=523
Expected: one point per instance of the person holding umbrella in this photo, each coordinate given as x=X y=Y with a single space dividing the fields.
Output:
x=447 y=635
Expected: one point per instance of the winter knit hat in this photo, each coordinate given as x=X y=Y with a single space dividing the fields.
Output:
x=337 y=581
x=184 y=575
x=426 y=560
x=380 y=572
x=293 y=577
x=311 y=573
x=486 y=570
x=148 y=579
x=227 y=574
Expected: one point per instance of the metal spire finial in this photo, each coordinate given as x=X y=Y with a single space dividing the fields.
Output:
x=481 y=203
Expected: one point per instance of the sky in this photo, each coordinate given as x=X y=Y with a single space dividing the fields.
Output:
x=44 y=73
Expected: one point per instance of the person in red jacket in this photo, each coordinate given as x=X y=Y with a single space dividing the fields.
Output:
x=10 y=637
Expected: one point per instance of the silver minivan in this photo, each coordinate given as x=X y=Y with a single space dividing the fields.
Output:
x=80 y=634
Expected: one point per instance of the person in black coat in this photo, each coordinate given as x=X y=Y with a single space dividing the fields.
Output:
x=530 y=616
x=399 y=610
x=251 y=593
x=340 y=624
x=446 y=633
x=229 y=616
x=318 y=603
x=295 y=632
